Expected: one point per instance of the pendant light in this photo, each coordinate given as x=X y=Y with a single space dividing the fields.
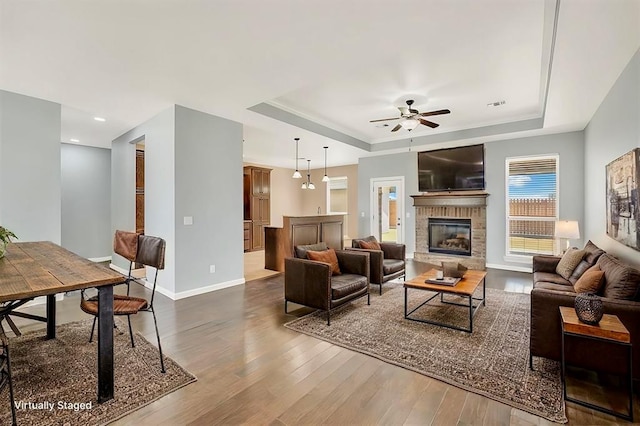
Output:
x=325 y=178
x=308 y=184
x=296 y=174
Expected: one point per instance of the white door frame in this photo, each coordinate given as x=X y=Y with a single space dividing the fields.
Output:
x=398 y=182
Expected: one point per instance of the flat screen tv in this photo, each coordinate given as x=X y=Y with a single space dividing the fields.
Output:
x=452 y=169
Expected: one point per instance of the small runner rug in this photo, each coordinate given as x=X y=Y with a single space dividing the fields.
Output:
x=55 y=381
x=493 y=361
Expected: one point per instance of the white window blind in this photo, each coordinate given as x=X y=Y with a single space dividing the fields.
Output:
x=532 y=207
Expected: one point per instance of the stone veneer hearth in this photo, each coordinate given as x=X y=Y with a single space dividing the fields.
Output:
x=464 y=205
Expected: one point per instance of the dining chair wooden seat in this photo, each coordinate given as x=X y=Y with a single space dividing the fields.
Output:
x=122 y=305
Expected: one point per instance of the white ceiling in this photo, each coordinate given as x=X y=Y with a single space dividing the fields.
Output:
x=327 y=66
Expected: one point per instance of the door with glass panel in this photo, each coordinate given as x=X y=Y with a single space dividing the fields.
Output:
x=387 y=209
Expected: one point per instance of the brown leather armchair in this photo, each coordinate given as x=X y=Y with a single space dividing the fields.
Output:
x=386 y=264
x=311 y=283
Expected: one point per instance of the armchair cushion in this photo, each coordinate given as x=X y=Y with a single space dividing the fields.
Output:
x=346 y=284
x=390 y=266
x=301 y=251
x=326 y=256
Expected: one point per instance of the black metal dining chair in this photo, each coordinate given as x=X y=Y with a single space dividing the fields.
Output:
x=5 y=372
x=149 y=251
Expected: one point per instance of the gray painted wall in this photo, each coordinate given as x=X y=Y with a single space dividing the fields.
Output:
x=158 y=135
x=193 y=167
x=30 y=167
x=403 y=164
x=613 y=131
x=208 y=173
x=86 y=200
x=569 y=147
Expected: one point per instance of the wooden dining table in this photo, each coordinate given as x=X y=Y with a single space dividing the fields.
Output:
x=42 y=268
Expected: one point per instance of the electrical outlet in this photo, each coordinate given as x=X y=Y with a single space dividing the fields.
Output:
x=212 y=269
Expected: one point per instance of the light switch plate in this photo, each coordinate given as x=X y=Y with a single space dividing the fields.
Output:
x=188 y=220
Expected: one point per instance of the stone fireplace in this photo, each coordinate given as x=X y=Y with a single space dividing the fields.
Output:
x=451 y=226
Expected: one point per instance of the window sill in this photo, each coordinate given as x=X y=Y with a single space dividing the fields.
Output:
x=518 y=259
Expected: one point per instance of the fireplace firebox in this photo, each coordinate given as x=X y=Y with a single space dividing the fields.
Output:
x=450 y=236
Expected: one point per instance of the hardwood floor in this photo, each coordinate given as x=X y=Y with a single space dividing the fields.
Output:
x=252 y=370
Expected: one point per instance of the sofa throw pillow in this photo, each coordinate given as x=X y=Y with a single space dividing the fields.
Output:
x=326 y=256
x=453 y=269
x=591 y=281
x=621 y=281
x=592 y=253
x=369 y=245
x=569 y=261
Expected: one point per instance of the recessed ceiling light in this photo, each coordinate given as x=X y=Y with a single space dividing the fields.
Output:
x=74 y=140
x=99 y=119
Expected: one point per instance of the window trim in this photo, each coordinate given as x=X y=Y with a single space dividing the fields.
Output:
x=516 y=257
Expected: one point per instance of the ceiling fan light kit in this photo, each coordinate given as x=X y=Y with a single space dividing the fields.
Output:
x=412 y=117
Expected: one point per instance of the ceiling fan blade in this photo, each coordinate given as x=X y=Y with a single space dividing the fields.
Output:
x=438 y=112
x=395 y=129
x=384 y=119
x=428 y=123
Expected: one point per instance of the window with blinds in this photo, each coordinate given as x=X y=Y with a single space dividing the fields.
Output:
x=532 y=207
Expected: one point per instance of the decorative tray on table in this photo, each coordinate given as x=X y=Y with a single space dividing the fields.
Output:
x=450 y=281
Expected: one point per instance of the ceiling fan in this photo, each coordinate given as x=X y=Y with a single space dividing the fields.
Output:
x=413 y=117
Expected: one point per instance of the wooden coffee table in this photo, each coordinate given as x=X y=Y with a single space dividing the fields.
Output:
x=465 y=287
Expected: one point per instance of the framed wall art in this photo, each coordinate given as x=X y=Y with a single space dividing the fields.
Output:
x=623 y=217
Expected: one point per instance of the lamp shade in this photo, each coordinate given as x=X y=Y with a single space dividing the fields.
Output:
x=567 y=229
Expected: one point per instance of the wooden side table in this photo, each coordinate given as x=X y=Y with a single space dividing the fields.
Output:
x=610 y=330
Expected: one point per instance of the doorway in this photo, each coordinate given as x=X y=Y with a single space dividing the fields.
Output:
x=139 y=192
x=387 y=209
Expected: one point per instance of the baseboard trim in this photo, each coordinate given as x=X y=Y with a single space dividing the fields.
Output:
x=119 y=269
x=195 y=292
x=100 y=259
x=183 y=294
x=509 y=268
x=40 y=301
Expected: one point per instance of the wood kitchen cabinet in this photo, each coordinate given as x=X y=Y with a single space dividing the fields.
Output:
x=257 y=203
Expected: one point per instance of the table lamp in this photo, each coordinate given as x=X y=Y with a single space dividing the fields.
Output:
x=567 y=230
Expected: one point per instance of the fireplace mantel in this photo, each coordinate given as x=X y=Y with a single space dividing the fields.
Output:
x=453 y=199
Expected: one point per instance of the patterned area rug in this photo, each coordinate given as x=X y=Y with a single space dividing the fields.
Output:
x=493 y=361
x=55 y=381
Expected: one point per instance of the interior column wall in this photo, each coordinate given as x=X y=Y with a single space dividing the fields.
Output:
x=30 y=189
x=158 y=134
x=208 y=185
